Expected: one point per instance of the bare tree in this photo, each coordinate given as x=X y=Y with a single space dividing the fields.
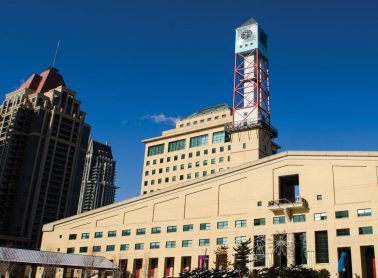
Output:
x=50 y=262
x=89 y=263
x=7 y=261
x=120 y=261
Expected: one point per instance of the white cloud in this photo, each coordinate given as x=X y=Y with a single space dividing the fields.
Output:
x=161 y=118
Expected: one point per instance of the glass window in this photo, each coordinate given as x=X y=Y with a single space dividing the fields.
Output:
x=174 y=178
x=342 y=214
x=112 y=234
x=197 y=163
x=167 y=169
x=153 y=172
x=189 y=176
x=343 y=232
x=124 y=247
x=259 y=203
x=204 y=242
x=259 y=221
x=182 y=166
x=320 y=216
x=204 y=162
x=176 y=145
x=197 y=141
x=279 y=220
x=213 y=150
x=204 y=173
x=198 y=153
x=72 y=236
x=146 y=173
x=170 y=244
x=213 y=161
x=187 y=243
x=189 y=165
x=218 y=137
x=98 y=235
x=222 y=225
x=259 y=249
x=154 y=245
x=139 y=246
x=240 y=239
x=196 y=174
x=175 y=168
x=364 y=212
x=70 y=250
x=187 y=228
x=240 y=223
x=190 y=155
x=155 y=230
x=83 y=249
x=299 y=218
x=212 y=171
x=110 y=248
x=205 y=226
x=319 y=197
x=205 y=152
x=222 y=241
x=183 y=156
x=161 y=160
x=84 y=235
x=96 y=248
x=141 y=231
x=157 y=149
x=147 y=163
x=321 y=247
x=181 y=177
x=221 y=149
x=365 y=230
x=221 y=159
x=171 y=229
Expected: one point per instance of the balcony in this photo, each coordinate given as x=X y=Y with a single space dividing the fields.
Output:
x=285 y=204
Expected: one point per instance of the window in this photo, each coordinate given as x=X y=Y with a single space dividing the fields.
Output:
x=183 y=156
x=189 y=165
x=221 y=149
x=98 y=235
x=343 y=232
x=174 y=178
x=155 y=230
x=161 y=160
x=259 y=247
x=157 y=149
x=189 y=176
x=212 y=171
x=321 y=247
x=160 y=170
x=139 y=246
x=299 y=218
x=342 y=214
x=213 y=161
x=196 y=174
x=187 y=228
x=259 y=221
x=205 y=226
x=365 y=230
x=146 y=173
x=218 y=137
x=84 y=235
x=70 y=250
x=364 y=212
x=259 y=203
x=72 y=237
x=166 y=180
x=222 y=241
x=110 y=248
x=279 y=220
x=204 y=242
x=204 y=162
x=240 y=239
x=175 y=168
x=153 y=172
x=112 y=234
x=152 y=182
x=145 y=183
x=171 y=229
x=187 y=243
x=182 y=166
x=170 y=244
x=221 y=159
x=244 y=145
x=190 y=155
x=147 y=163
x=154 y=161
x=320 y=216
x=83 y=249
x=176 y=145
x=141 y=231
x=124 y=247
x=197 y=163
x=319 y=197
x=222 y=225
x=181 y=177
x=167 y=169
x=204 y=173
x=175 y=157
x=197 y=141
x=96 y=248
x=168 y=159
x=213 y=150
x=154 y=245
x=240 y=223
x=205 y=152
x=198 y=153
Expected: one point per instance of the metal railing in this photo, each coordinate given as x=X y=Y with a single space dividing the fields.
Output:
x=246 y=124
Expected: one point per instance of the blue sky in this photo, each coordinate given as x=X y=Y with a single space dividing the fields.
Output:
x=131 y=60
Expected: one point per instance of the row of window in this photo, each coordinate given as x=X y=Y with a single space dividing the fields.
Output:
x=224 y=224
x=202 y=120
x=196 y=141
x=321 y=243
x=190 y=155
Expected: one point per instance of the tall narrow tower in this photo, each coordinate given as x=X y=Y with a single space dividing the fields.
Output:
x=251 y=123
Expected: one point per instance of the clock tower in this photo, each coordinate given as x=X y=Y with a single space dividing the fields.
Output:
x=251 y=95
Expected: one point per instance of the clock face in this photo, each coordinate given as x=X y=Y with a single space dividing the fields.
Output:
x=245 y=35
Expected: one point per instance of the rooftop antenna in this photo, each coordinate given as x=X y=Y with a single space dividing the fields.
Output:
x=56 y=53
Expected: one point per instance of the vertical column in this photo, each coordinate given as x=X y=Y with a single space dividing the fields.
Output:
x=290 y=249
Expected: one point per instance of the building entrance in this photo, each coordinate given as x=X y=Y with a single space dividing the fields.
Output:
x=368 y=262
x=345 y=262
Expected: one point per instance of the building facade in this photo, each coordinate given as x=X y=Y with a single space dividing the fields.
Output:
x=202 y=144
x=43 y=141
x=97 y=186
x=319 y=204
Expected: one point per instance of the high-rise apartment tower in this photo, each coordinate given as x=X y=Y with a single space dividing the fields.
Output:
x=97 y=186
x=219 y=137
x=43 y=140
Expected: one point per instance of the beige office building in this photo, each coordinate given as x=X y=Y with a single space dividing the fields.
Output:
x=203 y=143
x=319 y=204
